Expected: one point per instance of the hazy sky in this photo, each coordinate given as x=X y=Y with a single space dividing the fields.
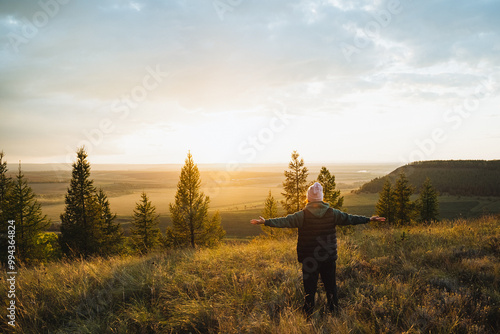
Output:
x=239 y=81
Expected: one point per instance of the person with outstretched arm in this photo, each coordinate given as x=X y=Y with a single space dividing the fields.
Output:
x=317 y=243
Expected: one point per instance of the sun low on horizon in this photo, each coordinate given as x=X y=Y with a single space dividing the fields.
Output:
x=247 y=82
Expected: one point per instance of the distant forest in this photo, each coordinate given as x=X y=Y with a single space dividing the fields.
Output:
x=452 y=177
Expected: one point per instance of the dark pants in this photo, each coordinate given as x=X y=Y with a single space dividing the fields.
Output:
x=310 y=274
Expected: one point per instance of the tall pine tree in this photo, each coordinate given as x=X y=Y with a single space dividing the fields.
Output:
x=29 y=219
x=386 y=203
x=295 y=185
x=81 y=228
x=330 y=195
x=145 y=231
x=428 y=203
x=191 y=224
x=403 y=206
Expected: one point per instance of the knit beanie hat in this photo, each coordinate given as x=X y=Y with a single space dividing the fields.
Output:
x=315 y=193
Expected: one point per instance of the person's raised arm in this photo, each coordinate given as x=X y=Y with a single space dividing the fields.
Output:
x=290 y=221
x=343 y=218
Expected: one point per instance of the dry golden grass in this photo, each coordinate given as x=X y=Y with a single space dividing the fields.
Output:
x=421 y=279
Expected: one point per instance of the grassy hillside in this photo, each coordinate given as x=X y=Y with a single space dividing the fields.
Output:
x=450 y=207
x=420 y=279
x=451 y=177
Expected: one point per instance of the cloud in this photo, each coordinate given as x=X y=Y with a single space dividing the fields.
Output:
x=437 y=32
x=99 y=51
x=422 y=55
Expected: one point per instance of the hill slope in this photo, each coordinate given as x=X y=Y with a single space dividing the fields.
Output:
x=453 y=177
x=439 y=279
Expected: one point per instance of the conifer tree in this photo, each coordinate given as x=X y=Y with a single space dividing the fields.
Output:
x=191 y=224
x=29 y=219
x=270 y=207
x=386 y=203
x=213 y=232
x=5 y=183
x=112 y=233
x=403 y=208
x=81 y=228
x=271 y=211
x=428 y=202
x=145 y=231
x=330 y=195
x=295 y=185
x=5 y=187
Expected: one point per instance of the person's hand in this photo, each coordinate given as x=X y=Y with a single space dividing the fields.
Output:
x=259 y=221
x=377 y=219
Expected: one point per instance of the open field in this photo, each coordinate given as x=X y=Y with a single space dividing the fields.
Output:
x=441 y=278
x=229 y=191
x=238 y=195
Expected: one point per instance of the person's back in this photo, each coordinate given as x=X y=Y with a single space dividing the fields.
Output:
x=317 y=240
x=317 y=243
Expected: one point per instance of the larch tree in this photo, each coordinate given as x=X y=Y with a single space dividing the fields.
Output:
x=403 y=206
x=330 y=194
x=295 y=185
x=428 y=203
x=191 y=224
x=270 y=207
x=271 y=211
x=145 y=232
x=385 y=206
x=81 y=225
x=213 y=232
